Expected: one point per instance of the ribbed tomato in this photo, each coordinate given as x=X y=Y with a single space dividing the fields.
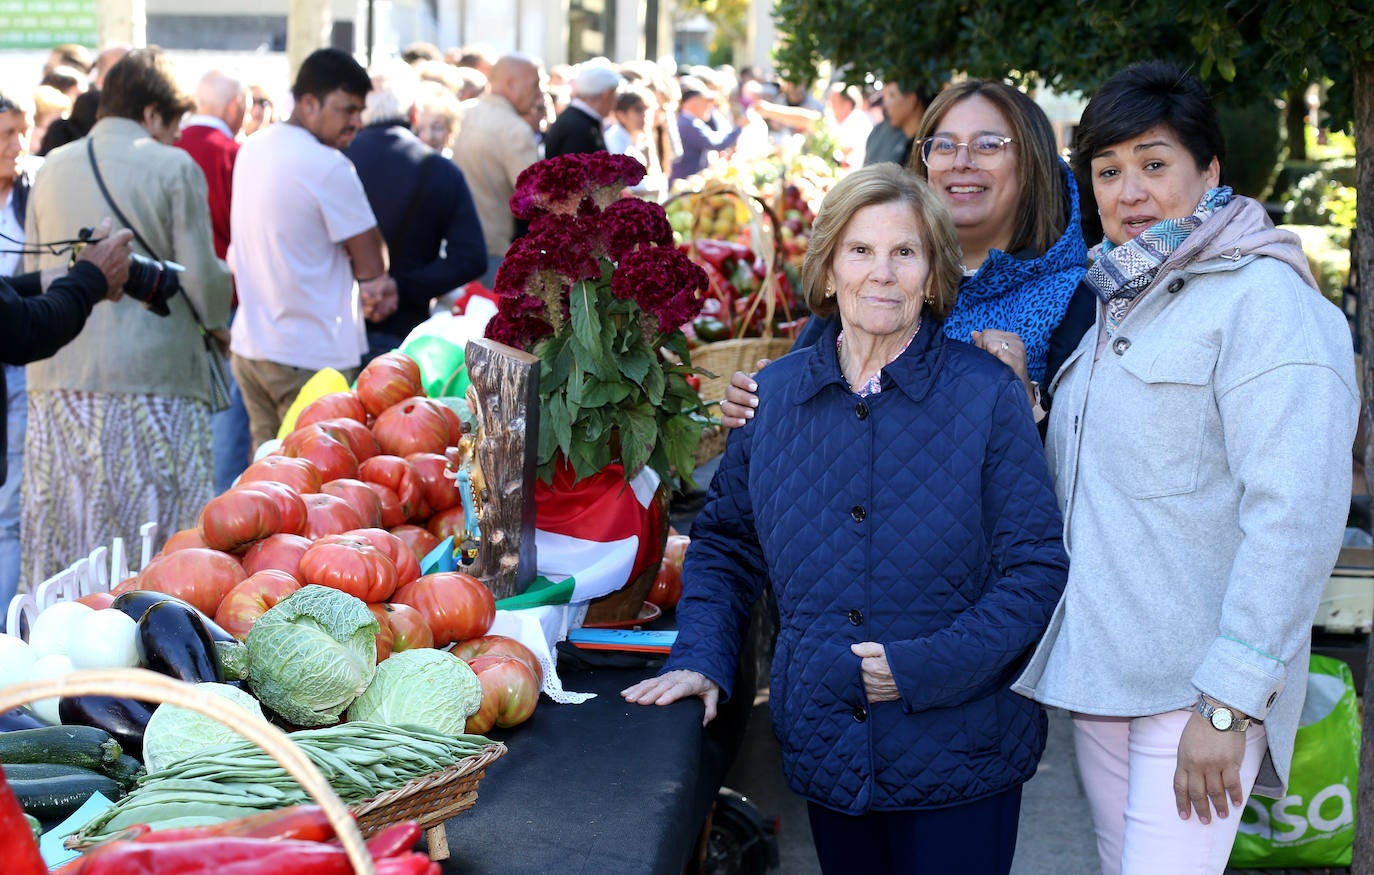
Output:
x=416 y=425
x=420 y=541
x=409 y=631
x=456 y=605
x=398 y=475
x=235 y=519
x=198 y=576
x=388 y=379
x=282 y=552
x=288 y=500
x=329 y=515
x=335 y=405
x=300 y=474
x=359 y=495
x=252 y=598
x=440 y=491
x=407 y=566
x=352 y=564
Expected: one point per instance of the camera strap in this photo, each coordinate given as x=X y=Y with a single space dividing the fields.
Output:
x=119 y=214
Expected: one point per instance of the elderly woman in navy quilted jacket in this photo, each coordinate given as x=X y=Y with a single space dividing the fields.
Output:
x=892 y=491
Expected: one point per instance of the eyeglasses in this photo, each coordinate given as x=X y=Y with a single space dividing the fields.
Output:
x=985 y=152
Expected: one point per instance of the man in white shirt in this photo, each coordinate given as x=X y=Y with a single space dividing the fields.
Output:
x=15 y=120
x=306 y=252
x=494 y=144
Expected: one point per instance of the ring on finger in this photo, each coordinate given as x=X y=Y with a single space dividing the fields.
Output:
x=1005 y=346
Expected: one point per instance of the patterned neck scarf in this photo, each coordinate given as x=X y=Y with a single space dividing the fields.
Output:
x=1123 y=272
x=875 y=382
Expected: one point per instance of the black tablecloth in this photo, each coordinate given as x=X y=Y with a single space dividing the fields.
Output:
x=604 y=786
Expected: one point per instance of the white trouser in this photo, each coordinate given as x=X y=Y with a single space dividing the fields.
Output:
x=1127 y=765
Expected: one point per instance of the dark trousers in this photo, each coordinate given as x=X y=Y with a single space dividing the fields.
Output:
x=976 y=838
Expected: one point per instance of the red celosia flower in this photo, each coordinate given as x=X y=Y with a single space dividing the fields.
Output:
x=664 y=282
x=573 y=184
x=630 y=223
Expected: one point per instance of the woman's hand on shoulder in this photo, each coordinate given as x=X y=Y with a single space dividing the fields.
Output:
x=674 y=686
x=741 y=397
x=1010 y=349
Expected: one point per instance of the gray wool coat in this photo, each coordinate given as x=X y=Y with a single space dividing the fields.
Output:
x=1202 y=460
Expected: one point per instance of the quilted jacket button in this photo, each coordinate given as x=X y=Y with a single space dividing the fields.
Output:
x=860 y=714
x=1120 y=345
x=858 y=513
x=1175 y=285
x=861 y=410
x=856 y=616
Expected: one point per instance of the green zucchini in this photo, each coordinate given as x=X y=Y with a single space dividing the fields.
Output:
x=57 y=791
x=84 y=746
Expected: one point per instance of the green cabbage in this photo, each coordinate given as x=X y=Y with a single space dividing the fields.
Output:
x=311 y=654
x=174 y=733
x=431 y=689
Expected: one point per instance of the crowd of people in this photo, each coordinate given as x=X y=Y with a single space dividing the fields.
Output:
x=1001 y=469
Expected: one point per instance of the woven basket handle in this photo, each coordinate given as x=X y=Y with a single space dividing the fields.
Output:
x=139 y=683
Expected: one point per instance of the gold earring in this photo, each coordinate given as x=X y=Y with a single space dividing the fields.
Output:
x=930 y=299
x=829 y=290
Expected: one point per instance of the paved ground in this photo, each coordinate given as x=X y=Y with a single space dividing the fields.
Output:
x=1056 y=830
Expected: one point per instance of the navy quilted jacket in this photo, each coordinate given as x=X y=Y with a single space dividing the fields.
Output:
x=922 y=518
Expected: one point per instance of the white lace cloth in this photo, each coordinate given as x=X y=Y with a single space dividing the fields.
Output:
x=540 y=629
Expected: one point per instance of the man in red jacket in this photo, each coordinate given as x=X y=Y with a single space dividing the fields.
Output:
x=208 y=135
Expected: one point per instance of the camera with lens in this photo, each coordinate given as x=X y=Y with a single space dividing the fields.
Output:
x=151 y=282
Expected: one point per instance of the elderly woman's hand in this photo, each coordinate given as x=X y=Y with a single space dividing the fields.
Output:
x=878 y=682
x=674 y=685
x=737 y=407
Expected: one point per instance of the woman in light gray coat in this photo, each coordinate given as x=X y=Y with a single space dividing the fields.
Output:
x=1200 y=441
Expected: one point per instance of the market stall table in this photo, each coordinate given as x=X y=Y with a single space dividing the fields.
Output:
x=604 y=786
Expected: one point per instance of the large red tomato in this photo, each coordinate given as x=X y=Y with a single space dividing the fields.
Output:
x=392 y=514
x=667 y=588
x=399 y=476
x=498 y=645
x=416 y=425
x=409 y=631
x=198 y=576
x=359 y=495
x=181 y=540
x=331 y=455
x=282 y=552
x=352 y=564
x=335 y=405
x=420 y=541
x=448 y=522
x=288 y=500
x=386 y=636
x=388 y=379
x=440 y=492
x=509 y=693
x=300 y=474
x=456 y=605
x=329 y=515
x=251 y=598
x=407 y=566
x=352 y=433
x=235 y=519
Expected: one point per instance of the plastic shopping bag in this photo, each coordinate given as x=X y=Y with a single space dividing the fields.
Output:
x=1314 y=825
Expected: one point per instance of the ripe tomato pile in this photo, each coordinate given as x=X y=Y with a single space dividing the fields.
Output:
x=353 y=499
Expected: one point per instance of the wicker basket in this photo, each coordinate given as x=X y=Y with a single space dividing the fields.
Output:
x=430 y=799
x=722 y=358
x=138 y=683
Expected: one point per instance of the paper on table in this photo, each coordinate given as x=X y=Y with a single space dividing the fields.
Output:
x=540 y=629
x=50 y=843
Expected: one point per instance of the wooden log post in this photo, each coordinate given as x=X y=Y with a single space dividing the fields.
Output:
x=506 y=382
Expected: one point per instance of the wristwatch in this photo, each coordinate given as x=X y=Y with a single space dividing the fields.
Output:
x=1223 y=719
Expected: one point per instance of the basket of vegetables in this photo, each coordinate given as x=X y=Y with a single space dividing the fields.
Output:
x=749 y=309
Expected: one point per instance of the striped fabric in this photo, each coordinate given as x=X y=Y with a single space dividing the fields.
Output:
x=98 y=465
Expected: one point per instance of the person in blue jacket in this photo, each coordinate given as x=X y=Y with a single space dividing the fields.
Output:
x=892 y=491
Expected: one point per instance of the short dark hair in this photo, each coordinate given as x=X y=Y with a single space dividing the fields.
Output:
x=328 y=70
x=1142 y=96
x=143 y=78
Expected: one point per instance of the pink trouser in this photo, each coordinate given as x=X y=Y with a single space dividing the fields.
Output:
x=1127 y=765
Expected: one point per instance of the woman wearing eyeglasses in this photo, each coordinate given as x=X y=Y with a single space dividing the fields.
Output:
x=990 y=154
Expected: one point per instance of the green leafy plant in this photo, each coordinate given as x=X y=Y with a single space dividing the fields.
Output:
x=597 y=290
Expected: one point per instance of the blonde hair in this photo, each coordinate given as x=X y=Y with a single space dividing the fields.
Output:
x=869 y=187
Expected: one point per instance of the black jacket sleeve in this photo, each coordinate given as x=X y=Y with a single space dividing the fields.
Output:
x=1078 y=318
x=33 y=326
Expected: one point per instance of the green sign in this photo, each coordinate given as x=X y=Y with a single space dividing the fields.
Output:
x=42 y=24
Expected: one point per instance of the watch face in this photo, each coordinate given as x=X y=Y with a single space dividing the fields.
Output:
x=1221 y=718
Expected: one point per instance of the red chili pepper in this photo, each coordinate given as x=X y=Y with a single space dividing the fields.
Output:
x=230 y=855
x=20 y=850
x=394 y=839
x=694 y=381
x=715 y=252
x=407 y=864
x=304 y=822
